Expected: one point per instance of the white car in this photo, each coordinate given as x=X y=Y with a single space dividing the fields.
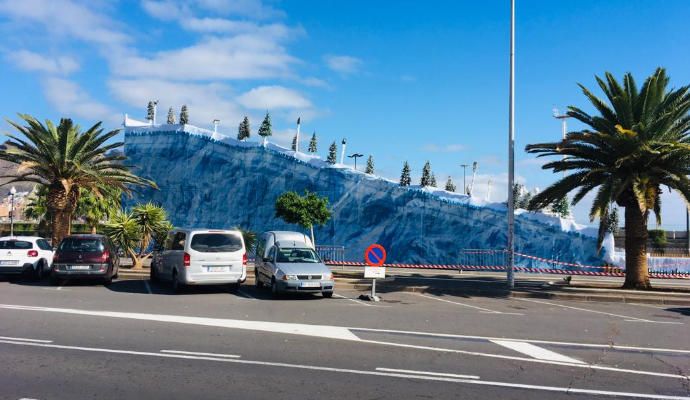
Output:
x=201 y=257
x=25 y=255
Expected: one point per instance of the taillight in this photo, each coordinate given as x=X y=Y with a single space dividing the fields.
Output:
x=186 y=260
x=33 y=253
x=105 y=256
x=244 y=259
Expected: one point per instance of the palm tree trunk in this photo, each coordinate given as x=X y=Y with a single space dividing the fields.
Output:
x=636 y=273
x=60 y=227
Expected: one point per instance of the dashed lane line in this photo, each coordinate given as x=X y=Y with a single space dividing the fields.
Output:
x=414 y=372
x=194 y=353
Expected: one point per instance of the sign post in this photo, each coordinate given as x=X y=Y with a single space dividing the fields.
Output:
x=375 y=256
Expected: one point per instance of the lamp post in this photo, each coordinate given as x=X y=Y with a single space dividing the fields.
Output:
x=13 y=191
x=355 y=156
x=510 y=264
x=464 y=169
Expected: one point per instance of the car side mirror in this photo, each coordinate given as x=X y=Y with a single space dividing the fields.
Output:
x=266 y=259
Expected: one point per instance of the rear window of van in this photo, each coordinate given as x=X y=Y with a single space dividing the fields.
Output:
x=216 y=242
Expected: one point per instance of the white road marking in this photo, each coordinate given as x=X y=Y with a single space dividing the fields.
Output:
x=361 y=303
x=325 y=331
x=655 y=322
x=59 y=288
x=26 y=339
x=148 y=287
x=194 y=353
x=567 y=344
x=245 y=294
x=413 y=372
x=482 y=309
x=361 y=372
x=625 y=317
x=535 y=351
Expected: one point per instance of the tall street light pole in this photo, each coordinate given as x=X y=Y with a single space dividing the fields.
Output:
x=13 y=191
x=464 y=185
x=511 y=155
x=355 y=156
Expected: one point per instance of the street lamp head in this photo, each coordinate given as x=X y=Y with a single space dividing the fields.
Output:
x=556 y=113
x=13 y=191
x=355 y=155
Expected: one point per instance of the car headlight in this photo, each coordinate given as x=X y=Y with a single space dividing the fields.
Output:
x=289 y=277
x=328 y=276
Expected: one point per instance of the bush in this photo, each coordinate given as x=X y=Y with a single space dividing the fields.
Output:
x=658 y=238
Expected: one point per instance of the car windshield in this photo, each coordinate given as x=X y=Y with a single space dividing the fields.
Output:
x=15 y=245
x=216 y=242
x=292 y=255
x=81 y=244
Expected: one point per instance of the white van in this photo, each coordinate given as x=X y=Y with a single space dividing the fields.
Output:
x=201 y=257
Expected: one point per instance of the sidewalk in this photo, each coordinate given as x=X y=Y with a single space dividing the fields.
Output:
x=491 y=284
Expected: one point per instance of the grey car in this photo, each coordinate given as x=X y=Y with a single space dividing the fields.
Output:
x=293 y=266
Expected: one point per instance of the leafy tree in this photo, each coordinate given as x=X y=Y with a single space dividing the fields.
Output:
x=265 y=128
x=426 y=175
x=133 y=232
x=432 y=182
x=312 y=143
x=561 y=207
x=518 y=192
x=184 y=115
x=244 y=130
x=612 y=221
x=305 y=211
x=66 y=160
x=249 y=238
x=149 y=111
x=524 y=200
x=638 y=141
x=171 y=117
x=294 y=143
x=331 y=159
x=405 y=179
x=370 y=166
x=449 y=185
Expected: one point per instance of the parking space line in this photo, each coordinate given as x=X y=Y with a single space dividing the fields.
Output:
x=245 y=294
x=624 y=317
x=481 y=309
x=26 y=339
x=535 y=351
x=194 y=353
x=410 y=371
x=361 y=303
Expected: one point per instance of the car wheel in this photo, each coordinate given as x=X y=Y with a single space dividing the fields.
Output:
x=175 y=284
x=153 y=276
x=38 y=274
x=327 y=295
x=274 y=288
x=257 y=281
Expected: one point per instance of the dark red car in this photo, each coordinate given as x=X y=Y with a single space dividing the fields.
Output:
x=85 y=257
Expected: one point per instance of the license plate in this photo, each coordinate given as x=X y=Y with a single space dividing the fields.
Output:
x=310 y=284
x=79 y=267
x=218 y=269
x=8 y=262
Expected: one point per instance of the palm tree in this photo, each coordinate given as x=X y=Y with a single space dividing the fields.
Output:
x=639 y=142
x=96 y=209
x=65 y=160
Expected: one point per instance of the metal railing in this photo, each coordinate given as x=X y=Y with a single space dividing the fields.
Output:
x=331 y=254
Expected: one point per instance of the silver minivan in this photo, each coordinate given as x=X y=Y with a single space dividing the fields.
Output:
x=201 y=257
x=287 y=262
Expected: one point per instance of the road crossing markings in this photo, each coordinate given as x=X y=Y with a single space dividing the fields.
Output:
x=626 y=318
x=194 y=353
x=567 y=390
x=537 y=352
x=481 y=309
x=413 y=372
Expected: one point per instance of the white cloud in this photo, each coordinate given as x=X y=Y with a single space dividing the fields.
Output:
x=237 y=57
x=206 y=101
x=31 y=61
x=273 y=97
x=171 y=9
x=165 y=10
x=70 y=99
x=447 y=148
x=343 y=64
x=66 y=18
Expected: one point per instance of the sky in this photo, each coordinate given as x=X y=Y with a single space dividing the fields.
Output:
x=400 y=80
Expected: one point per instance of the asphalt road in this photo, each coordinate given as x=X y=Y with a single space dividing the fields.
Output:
x=137 y=340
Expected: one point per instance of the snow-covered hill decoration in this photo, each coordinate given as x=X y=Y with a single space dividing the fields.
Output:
x=210 y=180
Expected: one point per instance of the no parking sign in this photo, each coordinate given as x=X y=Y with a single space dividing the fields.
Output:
x=375 y=256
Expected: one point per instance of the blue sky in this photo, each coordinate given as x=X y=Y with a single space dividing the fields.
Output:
x=401 y=80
